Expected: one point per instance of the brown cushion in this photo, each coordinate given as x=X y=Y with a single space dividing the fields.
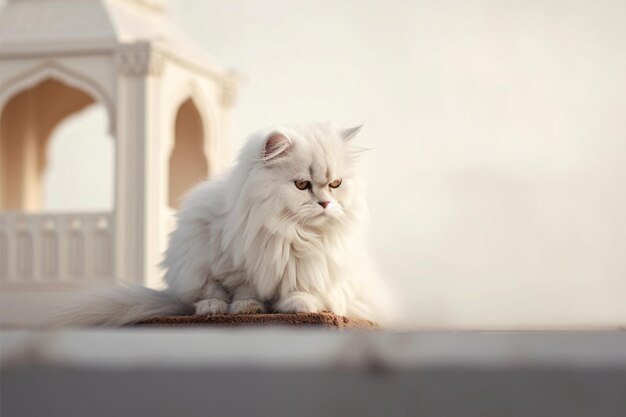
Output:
x=324 y=319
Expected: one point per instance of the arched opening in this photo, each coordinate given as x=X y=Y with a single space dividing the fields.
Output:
x=79 y=173
x=188 y=163
x=45 y=154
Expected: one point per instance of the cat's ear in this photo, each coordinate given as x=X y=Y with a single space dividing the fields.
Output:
x=351 y=132
x=277 y=144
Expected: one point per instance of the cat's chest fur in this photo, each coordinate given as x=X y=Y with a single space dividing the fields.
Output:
x=297 y=261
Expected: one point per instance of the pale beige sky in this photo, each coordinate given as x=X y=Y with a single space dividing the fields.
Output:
x=498 y=181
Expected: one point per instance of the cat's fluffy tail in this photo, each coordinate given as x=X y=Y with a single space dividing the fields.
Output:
x=119 y=306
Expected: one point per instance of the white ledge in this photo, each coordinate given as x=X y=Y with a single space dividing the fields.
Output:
x=288 y=372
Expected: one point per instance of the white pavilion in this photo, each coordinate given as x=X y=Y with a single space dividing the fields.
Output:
x=168 y=108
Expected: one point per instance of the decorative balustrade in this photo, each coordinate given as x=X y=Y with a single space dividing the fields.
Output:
x=56 y=248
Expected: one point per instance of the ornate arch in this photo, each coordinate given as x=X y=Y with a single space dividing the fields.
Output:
x=191 y=90
x=52 y=70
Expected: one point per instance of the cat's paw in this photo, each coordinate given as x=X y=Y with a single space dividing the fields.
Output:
x=299 y=303
x=211 y=306
x=247 y=306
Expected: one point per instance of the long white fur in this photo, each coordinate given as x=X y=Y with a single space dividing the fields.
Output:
x=252 y=241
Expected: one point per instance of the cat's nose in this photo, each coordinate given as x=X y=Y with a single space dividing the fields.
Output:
x=324 y=204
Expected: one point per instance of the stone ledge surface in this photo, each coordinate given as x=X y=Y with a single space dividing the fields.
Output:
x=324 y=319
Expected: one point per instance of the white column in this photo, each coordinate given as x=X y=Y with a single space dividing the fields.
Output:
x=139 y=186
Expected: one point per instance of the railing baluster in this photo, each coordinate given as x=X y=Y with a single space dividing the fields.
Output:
x=49 y=248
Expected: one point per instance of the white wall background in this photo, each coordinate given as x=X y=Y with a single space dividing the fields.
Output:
x=498 y=183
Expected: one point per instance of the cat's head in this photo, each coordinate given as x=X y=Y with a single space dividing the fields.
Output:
x=306 y=174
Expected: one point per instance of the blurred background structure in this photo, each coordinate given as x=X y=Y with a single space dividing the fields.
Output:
x=167 y=108
x=497 y=185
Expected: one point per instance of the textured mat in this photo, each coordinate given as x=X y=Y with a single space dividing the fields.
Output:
x=324 y=319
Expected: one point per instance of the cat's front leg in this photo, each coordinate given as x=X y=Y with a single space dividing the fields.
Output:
x=246 y=300
x=299 y=302
x=214 y=300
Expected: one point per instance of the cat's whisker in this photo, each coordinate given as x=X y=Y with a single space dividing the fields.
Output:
x=275 y=229
x=285 y=219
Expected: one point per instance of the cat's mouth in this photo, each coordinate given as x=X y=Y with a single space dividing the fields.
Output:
x=315 y=217
x=321 y=216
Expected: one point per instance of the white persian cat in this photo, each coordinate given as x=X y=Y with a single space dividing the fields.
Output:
x=282 y=232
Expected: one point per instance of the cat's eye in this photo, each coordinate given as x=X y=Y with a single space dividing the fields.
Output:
x=335 y=183
x=302 y=184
